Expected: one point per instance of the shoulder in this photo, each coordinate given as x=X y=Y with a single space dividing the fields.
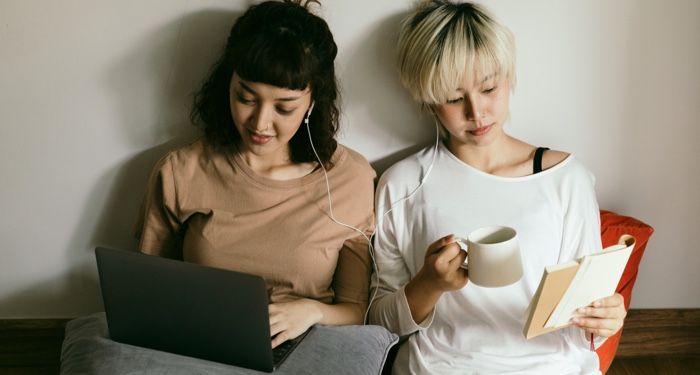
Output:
x=573 y=173
x=353 y=162
x=566 y=162
x=550 y=158
x=407 y=171
x=186 y=158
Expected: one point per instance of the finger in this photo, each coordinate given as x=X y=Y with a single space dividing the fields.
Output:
x=448 y=253
x=593 y=323
x=599 y=332
x=600 y=327
x=612 y=301
x=280 y=338
x=276 y=328
x=589 y=331
x=462 y=277
x=458 y=259
x=439 y=244
x=602 y=312
x=275 y=316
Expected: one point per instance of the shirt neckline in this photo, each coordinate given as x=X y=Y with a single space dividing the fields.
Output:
x=545 y=172
x=317 y=174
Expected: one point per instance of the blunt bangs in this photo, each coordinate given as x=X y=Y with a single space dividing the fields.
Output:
x=282 y=44
x=276 y=58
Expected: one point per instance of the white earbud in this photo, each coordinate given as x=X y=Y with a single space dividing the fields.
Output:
x=308 y=114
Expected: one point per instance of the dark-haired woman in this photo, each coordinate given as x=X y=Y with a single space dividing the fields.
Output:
x=251 y=194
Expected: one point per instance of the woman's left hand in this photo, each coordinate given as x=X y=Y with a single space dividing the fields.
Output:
x=603 y=317
x=290 y=319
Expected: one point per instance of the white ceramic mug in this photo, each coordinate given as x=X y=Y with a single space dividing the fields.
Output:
x=493 y=256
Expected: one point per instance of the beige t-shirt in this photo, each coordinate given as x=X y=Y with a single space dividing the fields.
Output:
x=210 y=208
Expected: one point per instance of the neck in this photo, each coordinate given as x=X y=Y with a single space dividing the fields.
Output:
x=277 y=166
x=488 y=158
x=505 y=156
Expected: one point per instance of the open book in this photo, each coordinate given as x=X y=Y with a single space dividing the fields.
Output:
x=568 y=286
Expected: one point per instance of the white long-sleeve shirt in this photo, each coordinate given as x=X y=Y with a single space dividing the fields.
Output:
x=478 y=330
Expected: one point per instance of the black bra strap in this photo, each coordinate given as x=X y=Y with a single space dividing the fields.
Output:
x=537 y=161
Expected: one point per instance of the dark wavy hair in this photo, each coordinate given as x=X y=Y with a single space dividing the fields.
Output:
x=284 y=45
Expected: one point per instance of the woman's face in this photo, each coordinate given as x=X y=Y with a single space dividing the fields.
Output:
x=267 y=116
x=474 y=113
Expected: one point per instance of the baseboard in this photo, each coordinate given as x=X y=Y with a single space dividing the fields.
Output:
x=647 y=333
x=661 y=332
x=31 y=343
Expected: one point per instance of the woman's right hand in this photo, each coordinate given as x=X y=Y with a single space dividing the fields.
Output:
x=290 y=319
x=441 y=272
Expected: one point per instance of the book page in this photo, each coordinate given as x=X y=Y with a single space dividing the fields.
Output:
x=554 y=283
x=597 y=278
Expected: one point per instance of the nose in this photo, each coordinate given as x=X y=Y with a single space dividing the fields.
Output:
x=262 y=119
x=472 y=109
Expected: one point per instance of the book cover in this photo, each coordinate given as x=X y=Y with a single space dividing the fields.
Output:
x=568 y=286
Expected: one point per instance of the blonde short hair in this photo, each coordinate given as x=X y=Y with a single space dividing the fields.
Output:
x=441 y=42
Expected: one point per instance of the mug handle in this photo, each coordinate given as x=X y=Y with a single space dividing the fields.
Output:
x=462 y=243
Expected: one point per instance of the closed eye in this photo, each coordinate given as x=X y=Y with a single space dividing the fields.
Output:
x=455 y=100
x=244 y=100
x=284 y=111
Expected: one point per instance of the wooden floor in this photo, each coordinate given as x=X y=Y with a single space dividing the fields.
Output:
x=655 y=365
x=30 y=347
x=663 y=342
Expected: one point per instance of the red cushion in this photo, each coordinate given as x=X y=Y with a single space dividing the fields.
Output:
x=612 y=226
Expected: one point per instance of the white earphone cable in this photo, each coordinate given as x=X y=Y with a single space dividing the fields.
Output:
x=391 y=208
x=378 y=224
x=330 y=204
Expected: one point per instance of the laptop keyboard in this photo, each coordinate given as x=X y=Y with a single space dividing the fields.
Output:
x=282 y=350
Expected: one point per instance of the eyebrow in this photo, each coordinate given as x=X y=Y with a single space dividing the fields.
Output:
x=482 y=80
x=488 y=77
x=250 y=90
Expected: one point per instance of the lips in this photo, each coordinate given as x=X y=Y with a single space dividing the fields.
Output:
x=480 y=131
x=259 y=139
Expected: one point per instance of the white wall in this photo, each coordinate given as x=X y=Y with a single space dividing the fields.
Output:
x=93 y=92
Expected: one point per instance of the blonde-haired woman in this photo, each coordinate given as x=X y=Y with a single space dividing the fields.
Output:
x=459 y=63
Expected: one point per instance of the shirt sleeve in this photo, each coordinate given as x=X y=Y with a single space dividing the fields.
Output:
x=581 y=224
x=352 y=272
x=389 y=306
x=351 y=278
x=158 y=227
x=581 y=231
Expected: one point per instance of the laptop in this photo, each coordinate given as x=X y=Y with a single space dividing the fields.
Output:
x=188 y=309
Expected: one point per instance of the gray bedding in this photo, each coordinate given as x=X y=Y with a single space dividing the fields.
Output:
x=354 y=350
